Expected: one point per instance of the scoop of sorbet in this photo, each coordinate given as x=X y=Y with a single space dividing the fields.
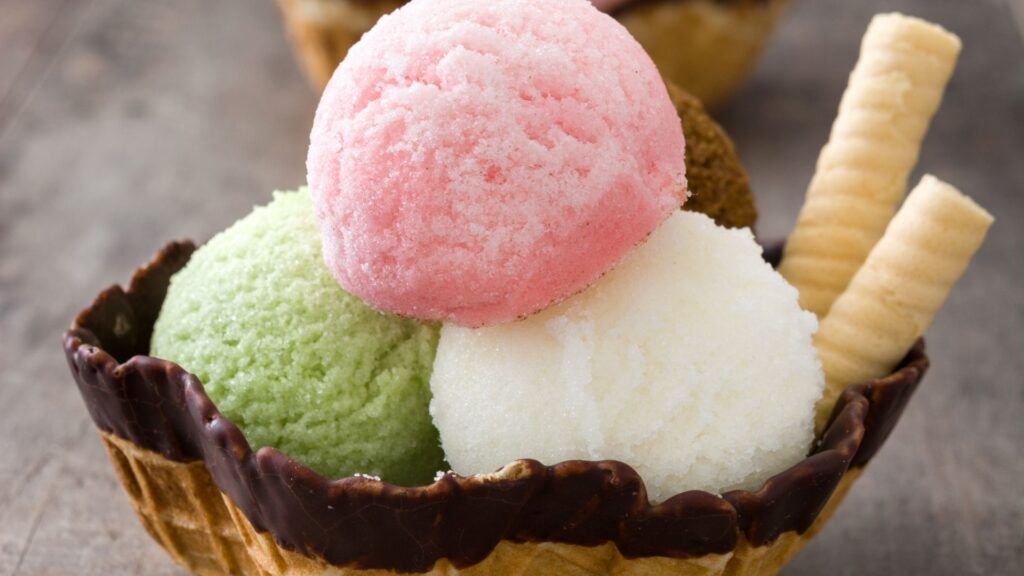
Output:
x=475 y=162
x=691 y=361
x=295 y=362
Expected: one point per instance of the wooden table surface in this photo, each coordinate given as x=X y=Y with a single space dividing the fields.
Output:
x=125 y=123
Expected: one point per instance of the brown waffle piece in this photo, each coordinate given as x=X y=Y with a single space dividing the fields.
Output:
x=718 y=183
x=706 y=46
x=322 y=31
x=181 y=509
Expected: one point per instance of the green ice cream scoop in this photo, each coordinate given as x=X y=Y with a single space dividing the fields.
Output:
x=296 y=362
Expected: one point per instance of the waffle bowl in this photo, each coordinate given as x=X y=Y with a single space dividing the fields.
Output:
x=217 y=507
x=706 y=46
x=322 y=31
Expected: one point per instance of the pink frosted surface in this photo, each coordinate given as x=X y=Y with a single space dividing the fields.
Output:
x=475 y=162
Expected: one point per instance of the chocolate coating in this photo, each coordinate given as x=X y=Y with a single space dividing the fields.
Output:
x=358 y=522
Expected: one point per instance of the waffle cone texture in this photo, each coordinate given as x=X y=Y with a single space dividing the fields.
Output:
x=218 y=507
x=204 y=532
x=706 y=46
x=181 y=509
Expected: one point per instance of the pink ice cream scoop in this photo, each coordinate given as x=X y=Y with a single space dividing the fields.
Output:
x=474 y=162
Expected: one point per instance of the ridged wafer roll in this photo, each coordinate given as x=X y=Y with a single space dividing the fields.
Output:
x=905 y=280
x=895 y=89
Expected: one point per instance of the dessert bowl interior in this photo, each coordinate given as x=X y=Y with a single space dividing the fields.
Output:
x=155 y=417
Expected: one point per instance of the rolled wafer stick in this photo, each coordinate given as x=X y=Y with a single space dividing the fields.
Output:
x=894 y=296
x=895 y=89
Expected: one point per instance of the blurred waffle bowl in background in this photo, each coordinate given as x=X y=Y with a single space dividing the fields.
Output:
x=707 y=47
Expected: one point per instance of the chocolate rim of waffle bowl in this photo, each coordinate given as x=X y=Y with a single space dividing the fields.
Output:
x=361 y=522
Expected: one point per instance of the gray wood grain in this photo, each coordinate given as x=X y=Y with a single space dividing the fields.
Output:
x=125 y=123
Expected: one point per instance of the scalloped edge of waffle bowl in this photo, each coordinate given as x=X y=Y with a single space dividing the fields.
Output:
x=532 y=558
x=204 y=532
